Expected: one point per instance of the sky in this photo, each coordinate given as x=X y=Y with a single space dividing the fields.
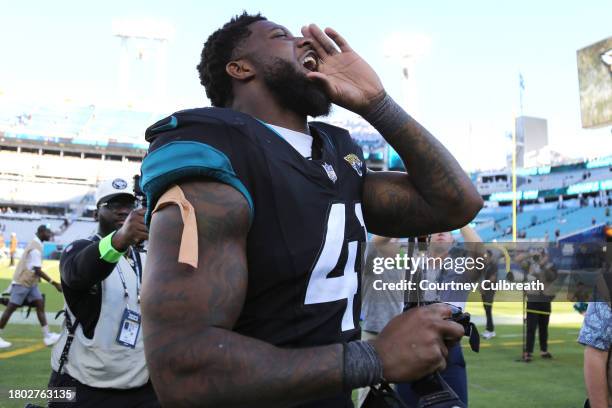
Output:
x=465 y=82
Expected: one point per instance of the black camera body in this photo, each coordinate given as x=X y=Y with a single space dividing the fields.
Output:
x=141 y=200
x=458 y=316
x=432 y=390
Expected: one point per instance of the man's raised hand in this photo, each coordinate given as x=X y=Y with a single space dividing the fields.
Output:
x=348 y=79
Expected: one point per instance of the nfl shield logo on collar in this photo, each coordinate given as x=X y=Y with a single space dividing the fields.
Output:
x=355 y=163
x=330 y=172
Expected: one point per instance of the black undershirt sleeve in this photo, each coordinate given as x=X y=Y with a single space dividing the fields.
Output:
x=82 y=272
x=81 y=266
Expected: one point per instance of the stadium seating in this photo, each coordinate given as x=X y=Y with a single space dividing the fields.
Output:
x=67 y=119
x=537 y=222
x=24 y=225
x=36 y=176
x=41 y=192
x=570 y=221
x=77 y=230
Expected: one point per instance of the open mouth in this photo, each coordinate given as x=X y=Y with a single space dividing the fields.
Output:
x=310 y=61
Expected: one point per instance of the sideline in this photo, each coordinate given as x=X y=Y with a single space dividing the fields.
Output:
x=491 y=343
x=20 y=351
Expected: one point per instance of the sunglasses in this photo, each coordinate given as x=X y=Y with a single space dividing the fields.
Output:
x=119 y=205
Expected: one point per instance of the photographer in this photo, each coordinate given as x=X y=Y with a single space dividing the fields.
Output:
x=442 y=245
x=488 y=295
x=100 y=351
x=538 y=266
x=379 y=306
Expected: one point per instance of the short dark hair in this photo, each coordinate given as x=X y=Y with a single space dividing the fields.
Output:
x=217 y=52
x=43 y=228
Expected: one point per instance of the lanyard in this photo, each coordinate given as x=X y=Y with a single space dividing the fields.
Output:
x=136 y=267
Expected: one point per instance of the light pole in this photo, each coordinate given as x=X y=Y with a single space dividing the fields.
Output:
x=141 y=39
x=406 y=50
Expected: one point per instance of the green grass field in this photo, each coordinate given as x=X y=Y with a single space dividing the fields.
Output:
x=495 y=379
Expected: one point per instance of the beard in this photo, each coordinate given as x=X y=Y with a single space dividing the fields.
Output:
x=294 y=91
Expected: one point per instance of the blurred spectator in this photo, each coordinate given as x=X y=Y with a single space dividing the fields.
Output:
x=596 y=336
x=538 y=266
x=25 y=286
x=12 y=249
x=379 y=306
x=580 y=296
x=441 y=245
x=487 y=296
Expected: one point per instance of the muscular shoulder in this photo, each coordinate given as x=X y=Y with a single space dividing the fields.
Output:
x=200 y=124
x=211 y=143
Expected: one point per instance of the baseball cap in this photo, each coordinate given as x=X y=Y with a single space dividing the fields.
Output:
x=112 y=188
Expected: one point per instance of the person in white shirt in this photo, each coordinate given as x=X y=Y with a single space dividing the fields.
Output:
x=25 y=286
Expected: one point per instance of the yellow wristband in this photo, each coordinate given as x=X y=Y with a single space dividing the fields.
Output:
x=107 y=252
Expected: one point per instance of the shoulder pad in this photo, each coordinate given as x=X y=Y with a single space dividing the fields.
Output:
x=202 y=116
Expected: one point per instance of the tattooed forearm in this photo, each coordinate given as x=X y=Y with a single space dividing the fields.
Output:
x=435 y=195
x=215 y=367
x=193 y=356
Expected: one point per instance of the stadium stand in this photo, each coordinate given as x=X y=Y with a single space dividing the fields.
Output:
x=40 y=192
x=53 y=156
x=571 y=220
x=24 y=225
x=78 y=229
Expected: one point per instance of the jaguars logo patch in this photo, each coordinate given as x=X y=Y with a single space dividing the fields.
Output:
x=355 y=163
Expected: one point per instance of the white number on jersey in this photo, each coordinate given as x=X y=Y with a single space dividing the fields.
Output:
x=322 y=289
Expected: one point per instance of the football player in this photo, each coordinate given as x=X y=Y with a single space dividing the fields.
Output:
x=251 y=295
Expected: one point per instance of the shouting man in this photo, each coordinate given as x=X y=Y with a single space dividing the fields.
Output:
x=251 y=295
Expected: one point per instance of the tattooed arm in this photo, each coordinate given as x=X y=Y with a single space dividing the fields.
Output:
x=193 y=356
x=434 y=195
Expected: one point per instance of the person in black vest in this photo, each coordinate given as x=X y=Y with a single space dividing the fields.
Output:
x=100 y=351
x=538 y=266
x=488 y=295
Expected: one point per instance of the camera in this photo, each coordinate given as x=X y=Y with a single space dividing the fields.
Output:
x=432 y=390
x=141 y=200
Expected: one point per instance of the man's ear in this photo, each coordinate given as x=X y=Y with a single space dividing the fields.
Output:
x=240 y=69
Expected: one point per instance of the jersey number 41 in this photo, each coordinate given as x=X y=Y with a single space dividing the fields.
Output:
x=322 y=289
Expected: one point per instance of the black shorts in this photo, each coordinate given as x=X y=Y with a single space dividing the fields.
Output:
x=90 y=397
